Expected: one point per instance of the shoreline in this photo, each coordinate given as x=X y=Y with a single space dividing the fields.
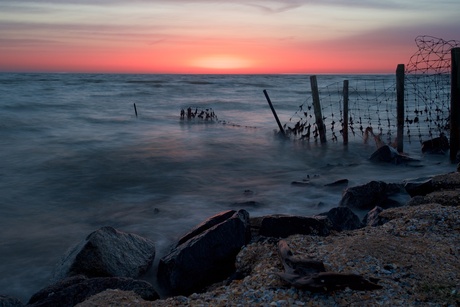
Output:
x=394 y=253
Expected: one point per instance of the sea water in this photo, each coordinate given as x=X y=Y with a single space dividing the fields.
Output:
x=75 y=156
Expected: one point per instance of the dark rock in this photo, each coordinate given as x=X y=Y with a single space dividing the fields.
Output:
x=439 y=145
x=209 y=223
x=339 y=182
x=206 y=255
x=373 y=218
x=444 y=198
x=282 y=226
x=76 y=289
x=8 y=301
x=367 y=196
x=449 y=181
x=419 y=187
x=108 y=252
x=342 y=218
x=388 y=154
x=301 y=183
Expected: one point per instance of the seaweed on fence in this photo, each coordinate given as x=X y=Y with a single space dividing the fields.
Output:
x=198 y=113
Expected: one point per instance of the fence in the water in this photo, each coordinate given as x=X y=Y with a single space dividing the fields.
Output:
x=372 y=103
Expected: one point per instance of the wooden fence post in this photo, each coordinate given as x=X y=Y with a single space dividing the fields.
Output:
x=345 y=112
x=317 y=109
x=454 y=104
x=274 y=113
x=400 y=107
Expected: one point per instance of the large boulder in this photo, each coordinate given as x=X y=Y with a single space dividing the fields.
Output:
x=283 y=226
x=206 y=254
x=108 y=252
x=76 y=289
x=8 y=301
x=343 y=218
x=369 y=195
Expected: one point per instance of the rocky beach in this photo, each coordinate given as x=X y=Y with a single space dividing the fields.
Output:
x=408 y=254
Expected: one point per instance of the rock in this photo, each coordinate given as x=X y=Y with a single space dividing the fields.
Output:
x=388 y=154
x=8 y=301
x=445 y=198
x=76 y=289
x=436 y=186
x=282 y=226
x=373 y=218
x=421 y=186
x=439 y=145
x=343 y=218
x=367 y=196
x=205 y=255
x=301 y=183
x=448 y=181
x=336 y=183
x=108 y=252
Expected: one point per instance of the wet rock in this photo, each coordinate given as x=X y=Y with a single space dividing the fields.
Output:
x=439 y=145
x=445 y=198
x=388 y=154
x=367 y=196
x=108 y=252
x=300 y=183
x=343 y=218
x=206 y=254
x=76 y=289
x=282 y=226
x=8 y=301
x=448 y=181
x=373 y=218
x=340 y=182
x=420 y=186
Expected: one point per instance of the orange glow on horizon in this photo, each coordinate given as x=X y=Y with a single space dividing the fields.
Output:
x=221 y=62
x=260 y=58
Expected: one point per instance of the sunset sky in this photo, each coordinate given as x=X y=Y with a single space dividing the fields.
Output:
x=217 y=36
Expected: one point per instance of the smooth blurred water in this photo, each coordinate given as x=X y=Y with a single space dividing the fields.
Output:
x=74 y=157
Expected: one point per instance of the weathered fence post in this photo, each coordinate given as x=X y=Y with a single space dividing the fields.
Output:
x=345 y=112
x=400 y=107
x=454 y=104
x=135 y=109
x=274 y=113
x=317 y=108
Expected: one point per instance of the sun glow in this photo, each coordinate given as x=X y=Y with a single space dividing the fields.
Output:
x=221 y=62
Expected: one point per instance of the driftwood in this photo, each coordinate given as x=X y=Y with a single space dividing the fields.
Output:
x=311 y=274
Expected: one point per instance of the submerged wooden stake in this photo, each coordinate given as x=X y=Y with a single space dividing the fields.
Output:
x=345 y=112
x=400 y=107
x=274 y=113
x=317 y=108
x=135 y=109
